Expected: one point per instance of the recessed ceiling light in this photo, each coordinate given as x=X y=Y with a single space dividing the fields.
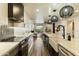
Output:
x=37 y=10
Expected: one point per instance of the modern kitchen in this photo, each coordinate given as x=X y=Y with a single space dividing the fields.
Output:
x=39 y=29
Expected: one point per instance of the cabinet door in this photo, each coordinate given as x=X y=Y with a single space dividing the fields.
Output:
x=25 y=50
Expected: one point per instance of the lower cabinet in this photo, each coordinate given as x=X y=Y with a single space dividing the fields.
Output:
x=25 y=50
x=52 y=52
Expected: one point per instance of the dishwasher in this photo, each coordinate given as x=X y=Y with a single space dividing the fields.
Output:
x=64 y=52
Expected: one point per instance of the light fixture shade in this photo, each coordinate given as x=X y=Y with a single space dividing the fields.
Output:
x=66 y=11
x=54 y=18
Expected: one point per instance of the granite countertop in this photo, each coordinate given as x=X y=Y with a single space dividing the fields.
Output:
x=6 y=47
x=72 y=46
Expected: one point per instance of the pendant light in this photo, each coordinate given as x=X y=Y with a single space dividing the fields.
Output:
x=66 y=11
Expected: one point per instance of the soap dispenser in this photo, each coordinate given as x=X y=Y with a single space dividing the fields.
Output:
x=69 y=37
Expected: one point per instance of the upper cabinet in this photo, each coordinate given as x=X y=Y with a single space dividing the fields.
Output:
x=16 y=11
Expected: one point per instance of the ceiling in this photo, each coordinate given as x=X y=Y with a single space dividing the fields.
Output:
x=30 y=9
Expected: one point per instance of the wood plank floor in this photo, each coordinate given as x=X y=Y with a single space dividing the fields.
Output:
x=43 y=53
x=39 y=48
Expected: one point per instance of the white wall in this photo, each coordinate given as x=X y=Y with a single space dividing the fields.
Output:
x=39 y=16
x=68 y=26
x=76 y=26
x=3 y=13
x=64 y=23
x=29 y=24
x=20 y=29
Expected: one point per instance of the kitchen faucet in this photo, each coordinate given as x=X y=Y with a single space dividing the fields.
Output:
x=58 y=29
